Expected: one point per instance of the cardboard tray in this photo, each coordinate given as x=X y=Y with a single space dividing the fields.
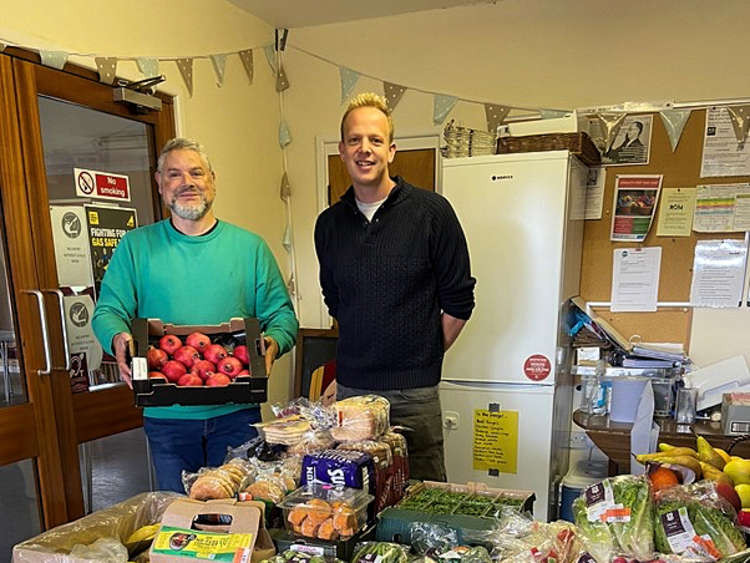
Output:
x=159 y=393
x=394 y=523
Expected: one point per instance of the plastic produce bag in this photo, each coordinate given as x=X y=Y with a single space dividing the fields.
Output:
x=299 y=555
x=118 y=521
x=616 y=516
x=103 y=550
x=382 y=552
x=432 y=539
x=694 y=520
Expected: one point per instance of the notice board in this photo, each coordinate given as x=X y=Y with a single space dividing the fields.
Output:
x=680 y=168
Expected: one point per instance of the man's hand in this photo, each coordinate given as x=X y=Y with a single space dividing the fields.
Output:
x=451 y=329
x=120 y=344
x=272 y=350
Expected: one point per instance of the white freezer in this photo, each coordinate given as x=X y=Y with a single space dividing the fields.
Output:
x=535 y=464
x=522 y=215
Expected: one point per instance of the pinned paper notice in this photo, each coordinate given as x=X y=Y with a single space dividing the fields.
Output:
x=495 y=444
x=676 y=212
x=635 y=278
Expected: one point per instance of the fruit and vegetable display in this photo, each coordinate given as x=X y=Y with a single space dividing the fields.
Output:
x=197 y=361
x=441 y=501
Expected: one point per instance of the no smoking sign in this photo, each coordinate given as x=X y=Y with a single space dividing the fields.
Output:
x=101 y=185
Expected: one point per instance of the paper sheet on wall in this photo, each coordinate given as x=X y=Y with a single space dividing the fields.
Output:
x=635 y=279
x=722 y=154
x=495 y=441
x=595 y=192
x=715 y=207
x=718 y=273
x=676 y=212
x=71 y=245
x=635 y=199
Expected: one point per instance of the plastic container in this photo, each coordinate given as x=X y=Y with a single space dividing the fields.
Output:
x=583 y=474
x=663 y=396
x=626 y=394
x=323 y=511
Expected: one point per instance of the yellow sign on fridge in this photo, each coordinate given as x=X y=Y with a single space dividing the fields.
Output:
x=495 y=444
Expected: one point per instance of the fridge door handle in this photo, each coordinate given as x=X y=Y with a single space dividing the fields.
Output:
x=45 y=333
x=66 y=347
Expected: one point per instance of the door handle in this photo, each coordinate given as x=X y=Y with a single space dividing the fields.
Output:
x=66 y=348
x=45 y=334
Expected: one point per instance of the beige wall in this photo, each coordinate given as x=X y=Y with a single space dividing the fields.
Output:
x=237 y=122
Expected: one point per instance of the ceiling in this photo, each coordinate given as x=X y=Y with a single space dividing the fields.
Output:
x=300 y=13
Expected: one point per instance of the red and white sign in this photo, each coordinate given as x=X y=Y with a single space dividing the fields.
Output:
x=537 y=367
x=101 y=185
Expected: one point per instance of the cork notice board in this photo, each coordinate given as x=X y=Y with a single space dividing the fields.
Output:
x=680 y=168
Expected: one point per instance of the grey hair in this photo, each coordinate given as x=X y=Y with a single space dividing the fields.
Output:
x=181 y=143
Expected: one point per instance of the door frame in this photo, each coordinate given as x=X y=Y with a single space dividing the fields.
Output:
x=327 y=146
x=78 y=417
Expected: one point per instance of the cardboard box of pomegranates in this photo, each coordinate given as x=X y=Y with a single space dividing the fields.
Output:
x=198 y=364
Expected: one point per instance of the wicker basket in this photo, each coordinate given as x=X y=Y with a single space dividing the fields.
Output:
x=579 y=144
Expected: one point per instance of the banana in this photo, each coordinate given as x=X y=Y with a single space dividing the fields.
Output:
x=676 y=450
x=143 y=534
x=724 y=455
x=712 y=474
x=685 y=460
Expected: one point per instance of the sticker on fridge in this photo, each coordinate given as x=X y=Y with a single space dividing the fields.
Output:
x=495 y=441
x=635 y=199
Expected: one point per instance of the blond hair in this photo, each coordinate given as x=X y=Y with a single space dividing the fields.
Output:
x=369 y=100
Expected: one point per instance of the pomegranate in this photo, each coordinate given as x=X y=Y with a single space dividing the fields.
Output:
x=214 y=353
x=187 y=356
x=229 y=366
x=198 y=340
x=173 y=370
x=170 y=343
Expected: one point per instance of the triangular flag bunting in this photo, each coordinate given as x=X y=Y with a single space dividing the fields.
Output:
x=553 y=113
x=674 y=122
x=286 y=242
x=148 y=66
x=291 y=286
x=2 y=46
x=270 y=53
x=219 y=63
x=495 y=116
x=186 y=70
x=393 y=93
x=55 y=59
x=285 y=190
x=107 y=69
x=349 y=78
x=442 y=106
x=282 y=82
x=246 y=57
x=610 y=123
x=285 y=136
x=740 y=116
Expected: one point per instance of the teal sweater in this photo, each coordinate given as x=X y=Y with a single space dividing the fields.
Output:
x=158 y=272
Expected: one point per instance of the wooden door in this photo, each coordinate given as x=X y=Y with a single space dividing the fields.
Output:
x=66 y=120
x=416 y=166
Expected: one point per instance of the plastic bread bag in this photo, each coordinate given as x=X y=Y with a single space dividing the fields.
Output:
x=361 y=418
x=382 y=552
x=286 y=431
x=269 y=487
x=118 y=521
x=694 y=520
x=616 y=516
x=312 y=442
x=218 y=482
x=256 y=448
x=320 y=416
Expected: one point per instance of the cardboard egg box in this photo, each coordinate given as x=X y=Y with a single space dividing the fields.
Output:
x=160 y=393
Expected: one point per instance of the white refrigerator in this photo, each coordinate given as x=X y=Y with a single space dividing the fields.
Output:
x=522 y=215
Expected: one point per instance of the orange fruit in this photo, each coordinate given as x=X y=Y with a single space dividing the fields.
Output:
x=663 y=478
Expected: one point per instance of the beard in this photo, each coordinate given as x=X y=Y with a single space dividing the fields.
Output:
x=191 y=212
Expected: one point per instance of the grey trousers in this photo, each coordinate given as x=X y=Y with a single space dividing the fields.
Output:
x=419 y=411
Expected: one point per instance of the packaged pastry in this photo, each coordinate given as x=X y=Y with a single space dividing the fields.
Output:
x=359 y=418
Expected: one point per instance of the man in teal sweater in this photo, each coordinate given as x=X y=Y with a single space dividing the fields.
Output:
x=192 y=269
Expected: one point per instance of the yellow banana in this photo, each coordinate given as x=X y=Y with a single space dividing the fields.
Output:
x=713 y=474
x=685 y=460
x=143 y=534
x=724 y=455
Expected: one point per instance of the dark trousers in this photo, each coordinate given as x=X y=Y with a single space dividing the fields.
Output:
x=418 y=410
x=180 y=444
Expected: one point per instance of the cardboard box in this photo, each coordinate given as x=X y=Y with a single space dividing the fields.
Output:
x=215 y=530
x=160 y=393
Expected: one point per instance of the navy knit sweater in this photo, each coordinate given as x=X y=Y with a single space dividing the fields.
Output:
x=386 y=283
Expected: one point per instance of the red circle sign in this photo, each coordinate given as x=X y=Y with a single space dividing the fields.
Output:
x=537 y=367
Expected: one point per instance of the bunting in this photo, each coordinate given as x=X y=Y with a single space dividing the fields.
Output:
x=2 y=46
x=219 y=63
x=148 y=66
x=610 y=123
x=495 y=116
x=441 y=107
x=553 y=113
x=740 y=116
x=107 y=69
x=282 y=83
x=393 y=93
x=54 y=59
x=186 y=70
x=285 y=136
x=270 y=53
x=246 y=57
x=349 y=78
x=285 y=189
x=674 y=122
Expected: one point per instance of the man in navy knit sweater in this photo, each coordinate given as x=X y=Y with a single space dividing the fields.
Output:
x=394 y=269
